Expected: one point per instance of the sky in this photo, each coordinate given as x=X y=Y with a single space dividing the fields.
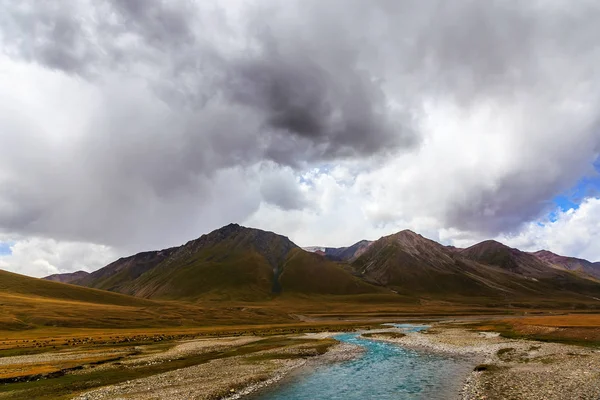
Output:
x=136 y=125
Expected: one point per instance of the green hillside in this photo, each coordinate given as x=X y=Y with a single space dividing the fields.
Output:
x=305 y=272
x=231 y=263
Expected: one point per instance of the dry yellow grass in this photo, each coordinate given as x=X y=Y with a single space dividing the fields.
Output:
x=579 y=329
x=560 y=321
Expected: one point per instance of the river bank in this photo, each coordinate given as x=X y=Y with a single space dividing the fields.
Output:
x=229 y=378
x=239 y=367
x=513 y=368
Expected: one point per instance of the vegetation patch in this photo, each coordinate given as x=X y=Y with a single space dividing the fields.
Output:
x=505 y=353
x=386 y=335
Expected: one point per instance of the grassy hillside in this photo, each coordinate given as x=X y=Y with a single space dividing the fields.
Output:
x=116 y=275
x=489 y=273
x=20 y=285
x=305 y=272
x=27 y=303
x=231 y=263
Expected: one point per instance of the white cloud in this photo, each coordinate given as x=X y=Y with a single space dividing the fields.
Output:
x=41 y=257
x=130 y=132
x=574 y=232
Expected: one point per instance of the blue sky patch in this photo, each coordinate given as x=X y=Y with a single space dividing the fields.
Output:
x=588 y=186
x=5 y=248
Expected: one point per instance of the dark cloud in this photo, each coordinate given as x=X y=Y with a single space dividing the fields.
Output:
x=162 y=24
x=168 y=111
x=334 y=108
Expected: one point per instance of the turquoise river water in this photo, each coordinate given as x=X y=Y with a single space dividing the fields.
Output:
x=384 y=372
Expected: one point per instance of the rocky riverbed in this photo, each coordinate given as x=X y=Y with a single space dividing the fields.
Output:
x=234 y=367
x=226 y=378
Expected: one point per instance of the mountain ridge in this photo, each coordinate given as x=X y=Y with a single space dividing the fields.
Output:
x=232 y=262
x=248 y=264
x=569 y=263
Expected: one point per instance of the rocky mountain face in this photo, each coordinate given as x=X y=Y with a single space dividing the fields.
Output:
x=67 y=277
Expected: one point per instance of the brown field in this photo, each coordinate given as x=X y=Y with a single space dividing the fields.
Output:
x=577 y=329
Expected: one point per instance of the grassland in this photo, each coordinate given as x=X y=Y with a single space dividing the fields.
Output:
x=576 y=329
x=65 y=373
x=59 y=340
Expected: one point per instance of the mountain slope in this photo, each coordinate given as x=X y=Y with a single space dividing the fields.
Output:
x=413 y=265
x=569 y=263
x=555 y=282
x=244 y=264
x=233 y=262
x=117 y=274
x=28 y=303
x=304 y=272
x=494 y=253
x=15 y=284
x=67 y=277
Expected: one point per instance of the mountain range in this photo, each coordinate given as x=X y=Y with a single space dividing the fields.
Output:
x=246 y=264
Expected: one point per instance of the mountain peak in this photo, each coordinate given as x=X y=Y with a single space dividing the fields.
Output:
x=234 y=230
x=229 y=229
x=411 y=239
x=405 y=234
x=492 y=252
x=490 y=243
x=543 y=253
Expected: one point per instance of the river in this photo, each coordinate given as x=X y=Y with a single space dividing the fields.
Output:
x=384 y=372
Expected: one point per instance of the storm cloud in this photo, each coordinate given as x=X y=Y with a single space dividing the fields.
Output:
x=142 y=124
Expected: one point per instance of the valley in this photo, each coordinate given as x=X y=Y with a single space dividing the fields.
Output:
x=239 y=309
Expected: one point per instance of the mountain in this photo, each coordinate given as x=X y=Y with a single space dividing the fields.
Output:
x=233 y=262
x=349 y=253
x=569 y=263
x=67 y=277
x=509 y=259
x=245 y=264
x=410 y=264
